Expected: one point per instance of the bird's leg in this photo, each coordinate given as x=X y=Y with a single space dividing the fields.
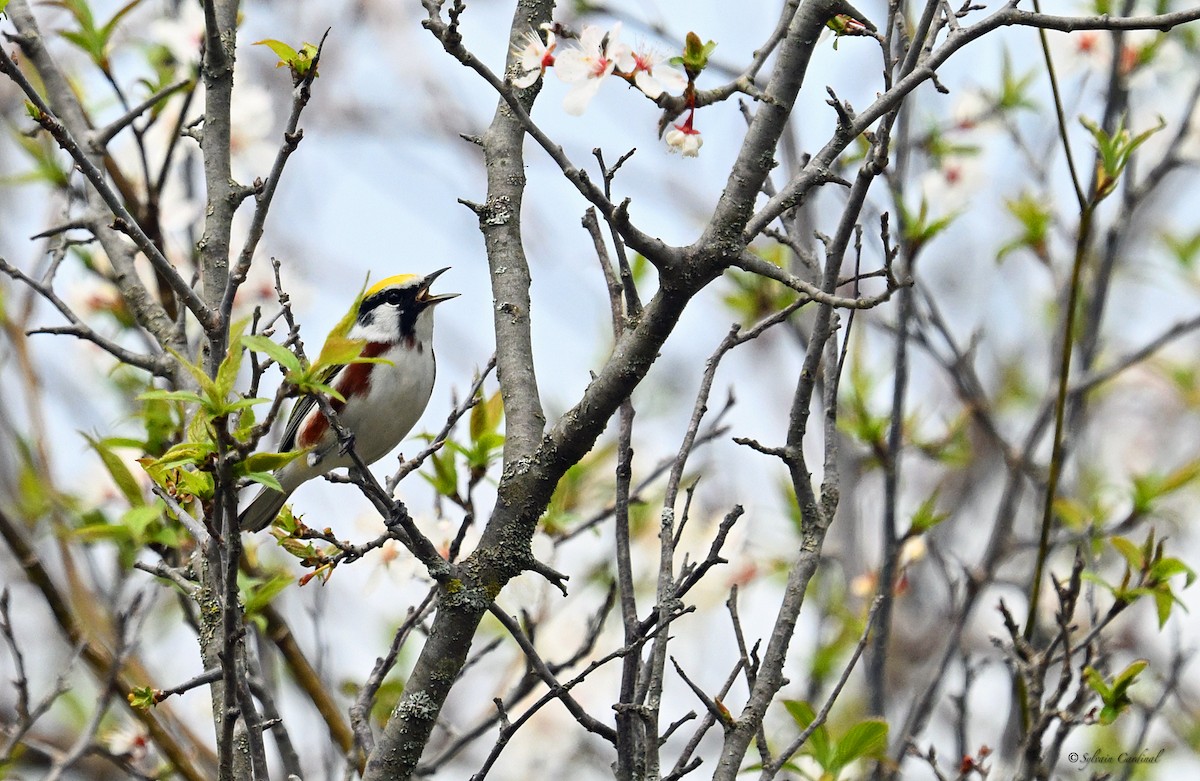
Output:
x=343 y=446
x=344 y=438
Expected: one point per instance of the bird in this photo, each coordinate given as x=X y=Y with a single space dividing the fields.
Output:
x=383 y=400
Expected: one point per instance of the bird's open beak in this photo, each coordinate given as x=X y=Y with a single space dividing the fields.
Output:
x=423 y=296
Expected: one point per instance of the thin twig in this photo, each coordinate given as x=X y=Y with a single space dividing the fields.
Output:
x=790 y=750
x=159 y=365
x=126 y=223
x=544 y=672
x=106 y=133
x=264 y=195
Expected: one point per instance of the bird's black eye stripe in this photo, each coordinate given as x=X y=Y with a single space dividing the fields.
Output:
x=395 y=298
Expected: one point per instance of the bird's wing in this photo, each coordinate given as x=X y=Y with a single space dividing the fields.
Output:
x=304 y=405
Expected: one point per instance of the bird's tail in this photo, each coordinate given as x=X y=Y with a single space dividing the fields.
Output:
x=261 y=511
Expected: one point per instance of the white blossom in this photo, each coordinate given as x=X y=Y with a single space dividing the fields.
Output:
x=534 y=57
x=684 y=138
x=585 y=66
x=654 y=78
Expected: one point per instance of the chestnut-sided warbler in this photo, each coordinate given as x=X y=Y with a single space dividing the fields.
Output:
x=383 y=400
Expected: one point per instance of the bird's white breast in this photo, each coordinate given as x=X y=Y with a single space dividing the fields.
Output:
x=396 y=397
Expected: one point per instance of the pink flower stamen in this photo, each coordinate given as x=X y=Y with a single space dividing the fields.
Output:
x=684 y=138
x=686 y=126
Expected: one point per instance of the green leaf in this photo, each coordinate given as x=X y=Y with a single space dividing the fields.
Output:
x=88 y=41
x=1114 y=696
x=258 y=593
x=819 y=744
x=301 y=549
x=920 y=227
x=246 y=403
x=165 y=534
x=215 y=393
x=801 y=712
x=1123 y=679
x=1014 y=88
x=1108 y=714
x=165 y=395
x=303 y=61
x=246 y=420
x=299 y=62
x=1114 y=151
x=285 y=53
x=1072 y=512
x=926 y=516
x=129 y=442
x=123 y=478
x=286 y=522
x=269 y=462
x=695 y=55
x=140 y=697
x=139 y=520
x=110 y=532
x=93 y=40
x=1181 y=476
x=445 y=477
x=36 y=496
x=386 y=700
x=486 y=416
x=1149 y=488
x=1036 y=219
x=844 y=24
x=1096 y=681
x=347 y=321
x=340 y=350
x=571 y=494
x=858 y=419
x=189 y=453
x=1166 y=568
x=48 y=163
x=753 y=296
x=231 y=364
x=866 y=739
x=197 y=484
x=208 y=388
x=1164 y=600
x=1131 y=551
x=161 y=424
x=111 y=25
x=277 y=352
x=328 y=390
x=267 y=479
x=485 y=450
x=1184 y=249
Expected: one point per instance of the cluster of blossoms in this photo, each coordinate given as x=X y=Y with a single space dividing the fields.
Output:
x=597 y=55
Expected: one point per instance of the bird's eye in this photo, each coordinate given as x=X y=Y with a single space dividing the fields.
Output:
x=395 y=297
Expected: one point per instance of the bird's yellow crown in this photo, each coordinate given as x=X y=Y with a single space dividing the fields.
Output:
x=396 y=281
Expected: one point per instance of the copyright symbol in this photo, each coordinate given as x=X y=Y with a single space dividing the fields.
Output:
x=1073 y=757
